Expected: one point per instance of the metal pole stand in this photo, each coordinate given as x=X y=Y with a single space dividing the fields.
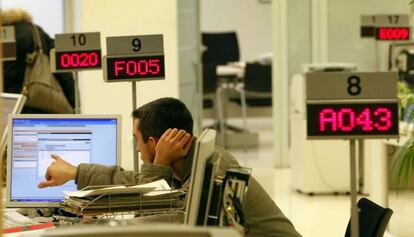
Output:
x=361 y=166
x=354 y=193
x=77 y=100
x=134 y=106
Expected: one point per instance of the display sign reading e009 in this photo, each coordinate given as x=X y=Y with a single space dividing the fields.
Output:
x=364 y=120
x=78 y=59
x=135 y=67
x=393 y=33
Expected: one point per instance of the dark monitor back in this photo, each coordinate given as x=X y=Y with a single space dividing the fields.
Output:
x=200 y=183
x=396 y=49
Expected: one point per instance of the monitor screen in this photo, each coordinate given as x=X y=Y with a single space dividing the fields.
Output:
x=9 y=104
x=75 y=138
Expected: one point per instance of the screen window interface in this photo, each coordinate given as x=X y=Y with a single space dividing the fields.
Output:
x=75 y=140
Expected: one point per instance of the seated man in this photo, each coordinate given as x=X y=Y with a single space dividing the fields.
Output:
x=160 y=129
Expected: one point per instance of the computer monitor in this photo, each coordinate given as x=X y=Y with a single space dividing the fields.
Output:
x=9 y=104
x=396 y=49
x=76 y=138
x=204 y=165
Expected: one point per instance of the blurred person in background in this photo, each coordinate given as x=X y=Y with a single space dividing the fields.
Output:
x=14 y=71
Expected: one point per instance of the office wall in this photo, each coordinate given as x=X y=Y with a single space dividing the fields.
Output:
x=123 y=17
x=251 y=20
x=344 y=43
x=189 y=41
x=46 y=13
x=299 y=34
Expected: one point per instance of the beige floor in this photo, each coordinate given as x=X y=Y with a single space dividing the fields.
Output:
x=316 y=216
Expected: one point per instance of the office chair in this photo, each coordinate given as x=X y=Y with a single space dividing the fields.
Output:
x=257 y=87
x=211 y=92
x=221 y=48
x=258 y=84
x=373 y=219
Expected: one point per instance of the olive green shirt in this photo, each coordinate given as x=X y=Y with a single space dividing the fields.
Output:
x=262 y=216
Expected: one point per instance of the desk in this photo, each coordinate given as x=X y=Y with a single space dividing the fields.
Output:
x=29 y=233
x=231 y=70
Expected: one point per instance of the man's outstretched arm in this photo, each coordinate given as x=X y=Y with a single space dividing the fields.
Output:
x=93 y=174
x=171 y=146
x=60 y=172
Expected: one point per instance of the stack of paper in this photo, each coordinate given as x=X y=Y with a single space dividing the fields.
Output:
x=145 y=198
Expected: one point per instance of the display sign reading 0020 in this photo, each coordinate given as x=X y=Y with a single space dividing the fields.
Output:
x=352 y=105
x=78 y=60
x=134 y=58
x=76 y=51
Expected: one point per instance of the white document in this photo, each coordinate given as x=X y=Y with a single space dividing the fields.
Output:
x=159 y=193
x=121 y=189
x=157 y=185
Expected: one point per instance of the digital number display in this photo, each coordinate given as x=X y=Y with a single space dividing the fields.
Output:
x=136 y=67
x=368 y=119
x=393 y=33
x=78 y=59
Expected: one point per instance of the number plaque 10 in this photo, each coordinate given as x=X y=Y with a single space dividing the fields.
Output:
x=77 y=51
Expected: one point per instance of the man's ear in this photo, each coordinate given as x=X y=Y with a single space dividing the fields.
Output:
x=153 y=142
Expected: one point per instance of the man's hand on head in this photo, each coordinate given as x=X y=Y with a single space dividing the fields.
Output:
x=173 y=145
x=58 y=173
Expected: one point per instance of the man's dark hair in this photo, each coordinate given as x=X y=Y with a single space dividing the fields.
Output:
x=161 y=114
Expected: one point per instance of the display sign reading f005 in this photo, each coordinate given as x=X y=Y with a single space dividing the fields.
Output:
x=129 y=68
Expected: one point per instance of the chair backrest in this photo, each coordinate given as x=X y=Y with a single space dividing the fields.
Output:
x=209 y=78
x=221 y=47
x=373 y=219
x=258 y=78
x=407 y=74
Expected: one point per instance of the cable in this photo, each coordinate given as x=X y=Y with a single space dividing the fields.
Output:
x=321 y=174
